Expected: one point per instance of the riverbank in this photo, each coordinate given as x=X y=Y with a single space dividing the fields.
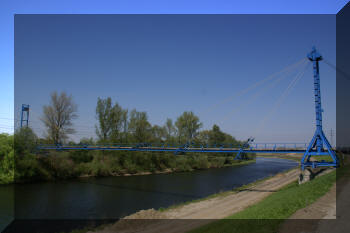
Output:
x=204 y=211
x=273 y=210
x=290 y=156
x=117 y=197
x=271 y=200
x=56 y=166
x=169 y=170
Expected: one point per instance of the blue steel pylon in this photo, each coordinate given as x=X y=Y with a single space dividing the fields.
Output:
x=25 y=115
x=245 y=145
x=319 y=140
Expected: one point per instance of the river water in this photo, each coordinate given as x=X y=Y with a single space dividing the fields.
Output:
x=115 y=197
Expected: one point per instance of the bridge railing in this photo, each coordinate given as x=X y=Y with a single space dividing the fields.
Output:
x=278 y=146
x=252 y=146
x=143 y=145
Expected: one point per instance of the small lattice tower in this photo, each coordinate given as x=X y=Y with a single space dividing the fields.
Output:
x=25 y=115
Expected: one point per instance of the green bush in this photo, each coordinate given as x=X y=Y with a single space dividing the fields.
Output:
x=7 y=163
x=182 y=164
x=25 y=140
x=217 y=161
x=28 y=167
x=203 y=162
x=82 y=169
x=81 y=156
x=51 y=165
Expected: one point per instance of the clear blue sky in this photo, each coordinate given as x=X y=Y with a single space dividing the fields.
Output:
x=187 y=61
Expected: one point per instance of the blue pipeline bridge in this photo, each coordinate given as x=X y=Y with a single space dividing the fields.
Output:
x=318 y=146
x=239 y=150
x=189 y=147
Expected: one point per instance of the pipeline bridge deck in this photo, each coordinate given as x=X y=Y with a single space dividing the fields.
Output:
x=270 y=148
x=256 y=148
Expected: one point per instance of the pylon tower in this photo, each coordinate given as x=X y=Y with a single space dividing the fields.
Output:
x=319 y=144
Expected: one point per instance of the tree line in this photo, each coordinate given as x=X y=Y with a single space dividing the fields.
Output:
x=20 y=161
x=116 y=124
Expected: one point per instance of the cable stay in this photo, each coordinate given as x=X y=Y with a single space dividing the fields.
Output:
x=281 y=98
x=257 y=95
x=343 y=74
x=259 y=83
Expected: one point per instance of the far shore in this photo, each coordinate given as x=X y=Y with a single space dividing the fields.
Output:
x=169 y=170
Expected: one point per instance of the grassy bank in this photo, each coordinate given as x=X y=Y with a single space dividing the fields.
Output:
x=267 y=215
x=295 y=158
x=64 y=165
x=298 y=157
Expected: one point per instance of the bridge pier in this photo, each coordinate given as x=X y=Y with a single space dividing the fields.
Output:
x=311 y=173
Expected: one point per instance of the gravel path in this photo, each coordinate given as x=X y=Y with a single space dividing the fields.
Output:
x=193 y=215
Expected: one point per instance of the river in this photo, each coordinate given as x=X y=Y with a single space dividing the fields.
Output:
x=116 y=197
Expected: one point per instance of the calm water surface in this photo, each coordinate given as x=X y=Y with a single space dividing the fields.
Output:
x=115 y=197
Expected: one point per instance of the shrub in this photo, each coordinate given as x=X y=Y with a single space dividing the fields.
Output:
x=25 y=140
x=81 y=156
x=182 y=164
x=7 y=162
x=99 y=168
x=28 y=167
x=217 y=162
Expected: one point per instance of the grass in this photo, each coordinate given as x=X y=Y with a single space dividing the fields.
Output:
x=267 y=215
x=281 y=156
x=326 y=158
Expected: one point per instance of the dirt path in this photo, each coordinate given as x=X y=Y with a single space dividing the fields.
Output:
x=193 y=215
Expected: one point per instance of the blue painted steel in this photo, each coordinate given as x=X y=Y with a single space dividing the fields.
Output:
x=25 y=115
x=319 y=140
x=295 y=145
x=169 y=149
x=245 y=145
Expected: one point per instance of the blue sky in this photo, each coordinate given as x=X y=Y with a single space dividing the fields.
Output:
x=199 y=87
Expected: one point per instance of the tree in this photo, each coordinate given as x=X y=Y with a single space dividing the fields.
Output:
x=125 y=122
x=25 y=140
x=158 y=134
x=203 y=137
x=104 y=117
x=111 y=120
x=58 y=117
x=169 y=129
x=87 y=141
x=7 y=159
x=117 y=122
x=216 y=136
x=187 y=125
x=139 y=126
